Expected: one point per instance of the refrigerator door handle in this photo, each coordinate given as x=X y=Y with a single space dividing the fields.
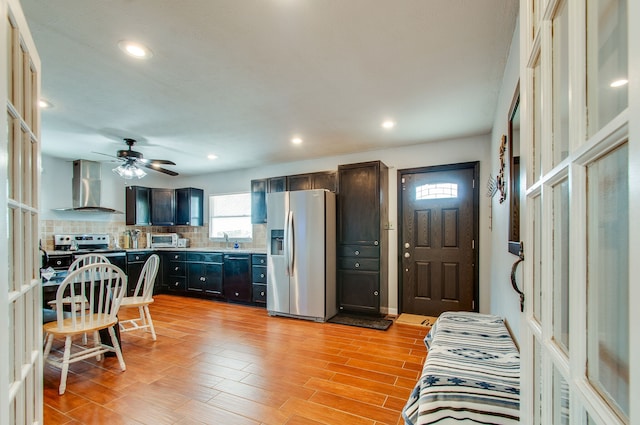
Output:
x=291 y=245
x=288 y=243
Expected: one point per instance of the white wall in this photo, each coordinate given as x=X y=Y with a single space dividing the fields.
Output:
x=505 y=301
x=57 y=189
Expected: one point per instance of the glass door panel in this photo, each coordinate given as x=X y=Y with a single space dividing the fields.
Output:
x=561 y=264
x=537 y=258
x=607 y=62
x=560 y=72
x=608 y=278
x=561 y=411
x=537 y=121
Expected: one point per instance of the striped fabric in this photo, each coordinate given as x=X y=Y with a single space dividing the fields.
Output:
x=471 y=375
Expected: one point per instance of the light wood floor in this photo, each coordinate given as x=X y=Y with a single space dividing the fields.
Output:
x=219 y=363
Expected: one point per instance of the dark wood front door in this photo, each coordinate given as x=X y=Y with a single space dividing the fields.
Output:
x=438 y=237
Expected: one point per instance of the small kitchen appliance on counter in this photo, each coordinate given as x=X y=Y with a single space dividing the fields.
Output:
x=164 y=240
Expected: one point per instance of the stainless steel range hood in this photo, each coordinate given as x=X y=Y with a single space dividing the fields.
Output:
x=86 y=187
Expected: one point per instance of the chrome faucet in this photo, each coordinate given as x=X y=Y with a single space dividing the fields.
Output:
x=226 y=239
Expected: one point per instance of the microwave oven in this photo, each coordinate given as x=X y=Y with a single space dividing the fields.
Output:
x=164 y=240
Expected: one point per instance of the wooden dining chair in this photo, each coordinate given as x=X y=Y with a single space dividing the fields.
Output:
x=80 y=261
x=86 y=259
x=142 y=297
x=94 y=292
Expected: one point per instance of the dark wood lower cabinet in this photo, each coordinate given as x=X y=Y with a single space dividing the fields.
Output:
x=237 y=277
x=174 y=278
x=204 y=273
x=259 y=278
x=359 y=291
x=135 y=263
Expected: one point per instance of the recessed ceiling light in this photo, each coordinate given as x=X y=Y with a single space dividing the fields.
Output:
x=388 y=124
x=619 y=83
x=135 y=50
x=44 y=104
x=296 y=140
x=212 y=156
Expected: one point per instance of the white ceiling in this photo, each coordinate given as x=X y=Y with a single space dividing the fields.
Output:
x=240 y=78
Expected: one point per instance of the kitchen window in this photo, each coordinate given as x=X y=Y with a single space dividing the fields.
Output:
x=230 y=217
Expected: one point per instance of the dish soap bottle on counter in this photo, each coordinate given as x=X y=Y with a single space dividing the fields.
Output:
x=127 y=238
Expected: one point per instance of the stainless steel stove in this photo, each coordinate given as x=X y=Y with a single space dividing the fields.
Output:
x=80 y=244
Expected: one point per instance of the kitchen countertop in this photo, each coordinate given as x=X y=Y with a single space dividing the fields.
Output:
x=194 y=249
x=203 y=249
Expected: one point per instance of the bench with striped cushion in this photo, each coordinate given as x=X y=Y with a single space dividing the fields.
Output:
x=471 y=374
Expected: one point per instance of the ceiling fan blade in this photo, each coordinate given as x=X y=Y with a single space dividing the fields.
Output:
x=106 y=154
x=157 y=168
x=157 y=161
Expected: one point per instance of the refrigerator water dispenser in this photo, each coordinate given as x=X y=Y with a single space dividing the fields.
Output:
x=277 y=242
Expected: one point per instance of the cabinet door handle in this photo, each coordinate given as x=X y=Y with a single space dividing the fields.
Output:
x=237 y=294
x=175 y=257
x=261 y=274
x=177 y=268
x=261 y=261
x=357 y=252
x=262 y=294
x=59 y=262
x=137 y=257
x=375 y=243
x=177 y=284
x=357 y=265
x=375 y=293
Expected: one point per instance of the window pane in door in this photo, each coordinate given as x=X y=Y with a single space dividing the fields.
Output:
x=608 y=278
x=607 y=62
x=537 y=383
x=537 y=122
x=560 y=84
x=561 y=264
x=560 y=399
x=537 y=258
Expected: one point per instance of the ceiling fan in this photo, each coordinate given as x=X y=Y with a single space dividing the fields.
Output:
x=132 y=161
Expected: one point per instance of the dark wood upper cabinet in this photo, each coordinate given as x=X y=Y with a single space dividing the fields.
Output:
x=189 y=206
x=324 y=180
x=359 y=202
x=299 y=182
x=259 y=201
x=260 y=188
x=147 y=206
x=277 y=184
x=163 y=207
x=138 y=206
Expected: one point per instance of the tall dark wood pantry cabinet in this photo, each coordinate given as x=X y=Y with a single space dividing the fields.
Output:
x=362 y=250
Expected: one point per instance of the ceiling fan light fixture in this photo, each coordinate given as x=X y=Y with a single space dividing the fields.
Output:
x=129 y=171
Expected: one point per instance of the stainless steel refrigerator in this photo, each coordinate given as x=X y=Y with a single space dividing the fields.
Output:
x=301 y=256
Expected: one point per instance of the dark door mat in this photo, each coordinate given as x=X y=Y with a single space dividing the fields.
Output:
x=361 y=321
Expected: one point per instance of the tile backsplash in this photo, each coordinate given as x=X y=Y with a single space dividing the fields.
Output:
x=198 y=236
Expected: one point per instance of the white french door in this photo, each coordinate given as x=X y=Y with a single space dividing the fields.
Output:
x=580 y=117
x=20 y=288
